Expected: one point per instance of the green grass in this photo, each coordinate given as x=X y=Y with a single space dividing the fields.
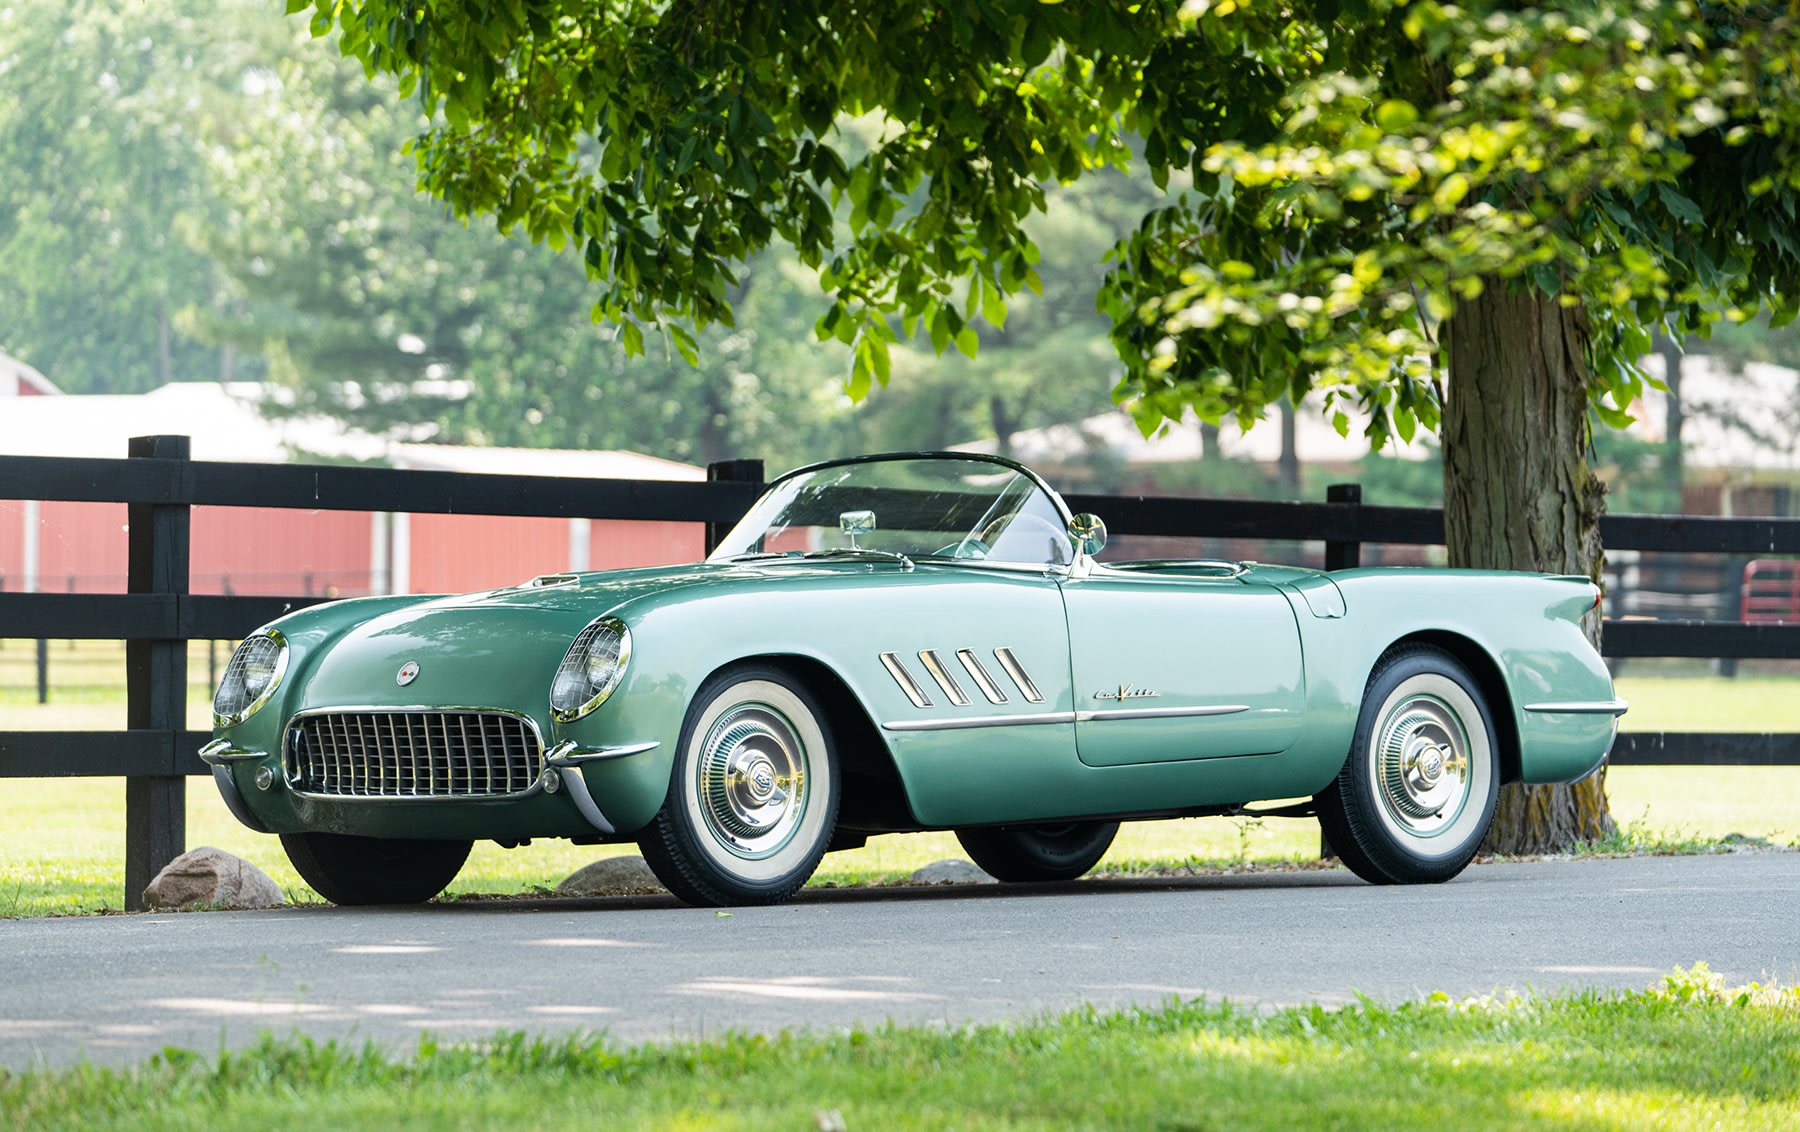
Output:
x=1749 y=702
x=62 y=840
x=1688 y=1054
x=62 y=848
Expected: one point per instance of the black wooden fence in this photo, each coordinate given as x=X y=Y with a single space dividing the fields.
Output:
x=157 y=616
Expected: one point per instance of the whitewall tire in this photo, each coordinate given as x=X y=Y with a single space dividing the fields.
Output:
x=753 y=794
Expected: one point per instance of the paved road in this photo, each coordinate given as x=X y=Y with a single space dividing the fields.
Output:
x=118 y=988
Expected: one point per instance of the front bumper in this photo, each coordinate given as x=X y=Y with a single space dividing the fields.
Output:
x=566 y=800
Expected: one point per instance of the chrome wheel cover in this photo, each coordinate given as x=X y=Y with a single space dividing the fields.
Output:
x=1423 y=758
x=752 y=780
x=1430 y=765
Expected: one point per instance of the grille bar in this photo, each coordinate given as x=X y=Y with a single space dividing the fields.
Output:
x=413 y=754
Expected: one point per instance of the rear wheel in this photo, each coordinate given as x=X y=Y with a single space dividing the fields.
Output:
x=1057 y=851
x=753 y=796
x=1417 y=793
x=374 y=870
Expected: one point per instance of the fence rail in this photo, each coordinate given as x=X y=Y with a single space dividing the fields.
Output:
x=158 y=616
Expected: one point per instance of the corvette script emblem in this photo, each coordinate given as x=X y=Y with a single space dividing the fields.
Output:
x=407 y=674
x=1127 y=692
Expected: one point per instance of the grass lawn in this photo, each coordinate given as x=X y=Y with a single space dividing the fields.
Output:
x=1749 y=702
x=1686 y=1055
x=62 y=840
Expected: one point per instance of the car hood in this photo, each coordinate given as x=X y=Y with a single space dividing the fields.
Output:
x=592 y=593
x=496 y=648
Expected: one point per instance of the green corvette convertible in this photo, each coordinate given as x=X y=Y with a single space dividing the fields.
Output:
x=899 y=643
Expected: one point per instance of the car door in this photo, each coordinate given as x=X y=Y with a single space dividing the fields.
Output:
x=1170 y=667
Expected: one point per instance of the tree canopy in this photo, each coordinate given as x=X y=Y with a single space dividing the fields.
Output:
x=200 y=192
x=1346 y=171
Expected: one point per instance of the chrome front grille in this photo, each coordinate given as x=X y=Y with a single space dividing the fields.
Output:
x=413 y=754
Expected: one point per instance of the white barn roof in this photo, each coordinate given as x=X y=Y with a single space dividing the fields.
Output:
x=225 y=424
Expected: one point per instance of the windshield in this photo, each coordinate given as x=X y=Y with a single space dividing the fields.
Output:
x=922 y=507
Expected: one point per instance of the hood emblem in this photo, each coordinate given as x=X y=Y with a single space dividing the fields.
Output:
x=407 y=674
x=1127 y=692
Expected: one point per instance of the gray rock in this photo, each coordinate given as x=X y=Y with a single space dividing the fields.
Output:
x=611 y=876
x=208 y=877
x=951 y=871
x=1743 y=843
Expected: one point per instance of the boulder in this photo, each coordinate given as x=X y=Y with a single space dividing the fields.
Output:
x=208 y=877
x=611 y=876
x=952 y=870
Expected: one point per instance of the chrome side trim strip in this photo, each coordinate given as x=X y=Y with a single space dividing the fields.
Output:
x=977 y=673
x=584 y=800
x=935 y=665
x=1582 y=707
x=1019 y=676
x=979 y=721
x=566 y=754
x=1158 y=713
x=902 y=677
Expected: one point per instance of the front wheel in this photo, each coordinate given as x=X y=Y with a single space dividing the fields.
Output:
x=1020 y=853
x=1417 y=794
x=753 y=796
x=374 y=870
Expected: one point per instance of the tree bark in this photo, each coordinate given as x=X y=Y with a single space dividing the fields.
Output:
x=1519 y=495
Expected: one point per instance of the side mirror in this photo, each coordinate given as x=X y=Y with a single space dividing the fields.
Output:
x=1088 y=533
x=854 y=523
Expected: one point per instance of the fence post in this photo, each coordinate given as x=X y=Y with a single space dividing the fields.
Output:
x=732 y=471
x=1343 y=555
x=155 y=679
x=1340 y=555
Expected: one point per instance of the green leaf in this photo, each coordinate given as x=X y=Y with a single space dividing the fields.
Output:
x=1680 y=206
x=967 y=341
x=684 y=344
x=1395 y=116
x=993 y=306
x=1637 y=260
x=632 y=338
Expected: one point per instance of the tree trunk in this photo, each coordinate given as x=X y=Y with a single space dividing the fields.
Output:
x=1673 y=418
x=1004 y=425
x=165 y=370
x=1519 y=495
x=1288 y=465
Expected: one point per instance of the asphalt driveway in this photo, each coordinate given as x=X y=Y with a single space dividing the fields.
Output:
x=117 y=988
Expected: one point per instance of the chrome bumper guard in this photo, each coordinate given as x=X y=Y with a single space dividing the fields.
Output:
x=567 y=758
x=220 y=754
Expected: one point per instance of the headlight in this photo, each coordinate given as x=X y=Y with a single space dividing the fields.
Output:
x=251 y=678
x=591 y=669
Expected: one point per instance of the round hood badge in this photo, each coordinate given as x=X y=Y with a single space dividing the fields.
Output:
x=408 y=673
